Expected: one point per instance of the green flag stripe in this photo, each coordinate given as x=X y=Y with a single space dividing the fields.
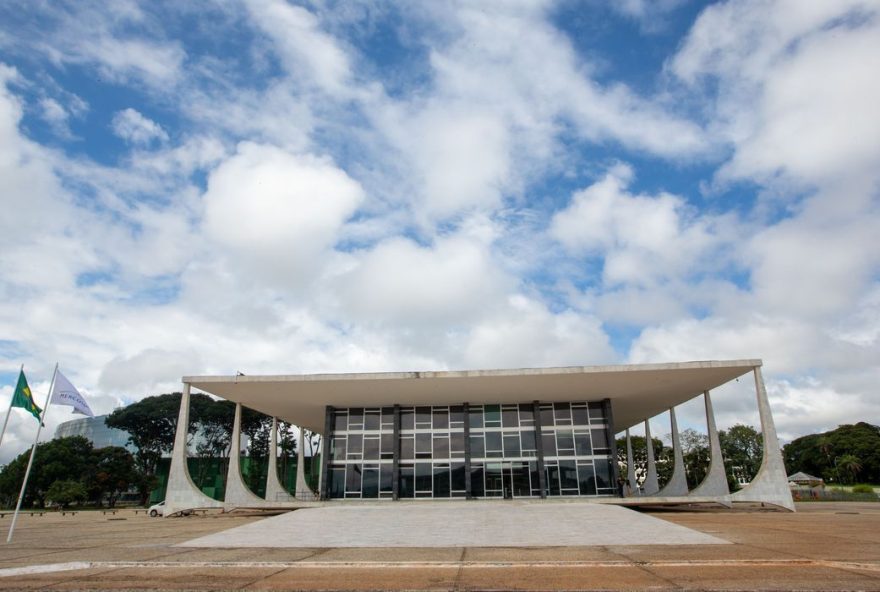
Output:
x=23 y=397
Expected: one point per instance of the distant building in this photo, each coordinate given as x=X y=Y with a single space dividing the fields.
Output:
x=95 y=430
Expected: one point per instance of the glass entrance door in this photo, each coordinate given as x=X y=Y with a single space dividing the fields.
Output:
x=508 y=480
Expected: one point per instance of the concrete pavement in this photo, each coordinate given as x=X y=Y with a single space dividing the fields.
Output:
x=825 y=546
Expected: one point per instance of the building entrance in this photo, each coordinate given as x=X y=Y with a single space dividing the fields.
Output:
x=508 y=479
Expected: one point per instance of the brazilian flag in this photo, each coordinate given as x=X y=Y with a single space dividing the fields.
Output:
x=23 y=397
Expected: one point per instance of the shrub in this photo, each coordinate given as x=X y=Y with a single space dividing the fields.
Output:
x=862 y=488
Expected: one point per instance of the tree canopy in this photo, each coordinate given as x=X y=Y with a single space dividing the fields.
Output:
x=847 y=454
x=101 y=473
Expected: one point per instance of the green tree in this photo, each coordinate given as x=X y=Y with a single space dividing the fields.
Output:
x=215 y=431
x=66 y=492
x=695 y=451
x=742 y=447
x=816 y=453
x=640 y=455
x=287 y=450
x=848 y=467
x=113 y=473
x=61 y=459
x=151 y=424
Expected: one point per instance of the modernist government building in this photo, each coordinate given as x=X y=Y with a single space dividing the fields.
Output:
x=482 y=434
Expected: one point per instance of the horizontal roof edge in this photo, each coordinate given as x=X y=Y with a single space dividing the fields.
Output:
x=744 y=363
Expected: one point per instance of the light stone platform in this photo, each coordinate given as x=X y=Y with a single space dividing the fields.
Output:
x=457 y=524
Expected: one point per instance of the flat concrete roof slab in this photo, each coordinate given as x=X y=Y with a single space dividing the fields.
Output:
x=636 y=391
x=458 y=524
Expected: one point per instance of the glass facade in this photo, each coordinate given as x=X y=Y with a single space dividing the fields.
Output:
x=478 y=451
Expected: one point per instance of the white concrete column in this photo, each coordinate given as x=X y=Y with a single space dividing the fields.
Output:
x=275 y=491
x=182 y=493
x=770 y=485
x=678 y=482
x=650 y=484
x=303 y=491
x=715 y=483
x=630 y=466
x=237 y=493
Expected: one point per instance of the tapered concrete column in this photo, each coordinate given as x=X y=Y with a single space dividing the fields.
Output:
x=237 y=493
x=770 y=485
x=651 y=485
x=182 y=493
x=678 y=482
x=630 y=467
x=275 y=491
x=715 y=482
x=303 y=491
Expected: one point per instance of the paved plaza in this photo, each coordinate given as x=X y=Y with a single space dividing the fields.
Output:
x=824 y=546
x=459 y=524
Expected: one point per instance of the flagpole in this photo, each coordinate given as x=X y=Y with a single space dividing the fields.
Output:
x=27 y=471
x=8 y=411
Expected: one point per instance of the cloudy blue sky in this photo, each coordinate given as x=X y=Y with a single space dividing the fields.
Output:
x=270 y=187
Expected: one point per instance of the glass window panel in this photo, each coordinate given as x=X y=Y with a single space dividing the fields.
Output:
x=597 y=413
x=600 y=439
x=493 y=442
x=475 y=416
x=457 y=476
x=407 y=418
x=587 y=479
x=423 y=444
x=548 y=439
x=337 y=482
x=353 y=477
x=423 y=476
x=509 y=417
x=423 y=417
x=568 y=477
x=526 y=414
x=441 y=481
x=535 y=478
x=579 y=416
x=456 y=416
x=528 y=440
x=511 y=445
x=520 y=478
x=441 y=418
x=355 y=444
x=603 y=474
x=371 y=421
x=441 y=446
x=338 y=448
x=356 y=418
x=340 y=421
x=386 y=477
x=371 y=448
x=582 y=444
x=494 y=478
x=477 y=485
x=551 y=474
x=387 y=445
x=456 y=443
x=388 y=417
x=371 y=483
x=564 y=442
x=478 y=447
x=562 y=413
x=407 y=451
x=547 y=416
x=407 y=487
x=493 y=416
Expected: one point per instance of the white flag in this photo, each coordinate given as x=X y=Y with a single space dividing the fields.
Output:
x=64 y=393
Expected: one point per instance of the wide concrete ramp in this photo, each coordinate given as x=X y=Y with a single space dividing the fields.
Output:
x=457 y=524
